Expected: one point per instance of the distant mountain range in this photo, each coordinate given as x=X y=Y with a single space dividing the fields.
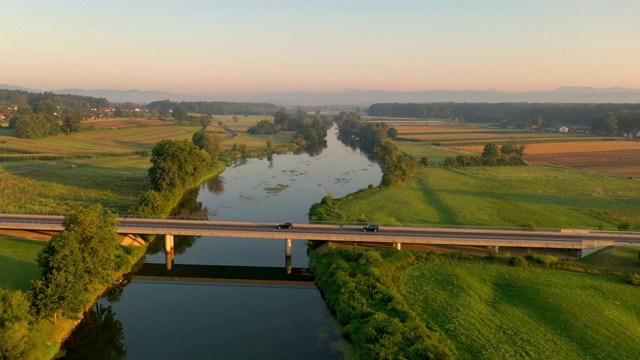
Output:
x=364 y=98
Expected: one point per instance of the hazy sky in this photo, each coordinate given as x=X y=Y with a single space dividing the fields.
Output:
x=207 y=46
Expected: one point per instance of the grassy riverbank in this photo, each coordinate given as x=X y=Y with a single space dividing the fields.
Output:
x=539 y=196
x=18 y=268
x=457 y=306
x=89 y=168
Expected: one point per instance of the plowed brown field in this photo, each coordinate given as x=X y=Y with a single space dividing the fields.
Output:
x=620 y=158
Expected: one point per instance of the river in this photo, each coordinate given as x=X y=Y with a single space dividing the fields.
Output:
x=155 y=319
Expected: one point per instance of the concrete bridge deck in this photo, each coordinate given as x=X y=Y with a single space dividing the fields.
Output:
x=580 y=240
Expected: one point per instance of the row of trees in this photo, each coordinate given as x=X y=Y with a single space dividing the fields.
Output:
x=175 y=166
x=369 y=134
x=397 y=166
x=374 y=138
x=612 y=124
x=542 y=114
x=215 y=107
x=44 y=119
x=492 y=155
x=26 y=98
x=263 y=127
x=311 y=131
x=410 y=110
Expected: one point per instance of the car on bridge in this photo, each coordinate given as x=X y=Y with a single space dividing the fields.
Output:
x=371 y=227
x=286 y=225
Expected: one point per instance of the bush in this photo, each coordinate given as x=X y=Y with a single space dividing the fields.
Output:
x=624 y=226
x=634 y=279
x=528 y=226
x=461 y=255
x=520 y=261
x=492 y=252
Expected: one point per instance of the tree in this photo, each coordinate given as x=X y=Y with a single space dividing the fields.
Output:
x=176 y=164
x=210 y=143
x=14 y=323
x=283 y=119
x=490 y=153
x=392 y=133
x=518 y=149
x=77 y=261
x=151 y=202
x=71 y=119
x=46 y=107
x=610 y=125
x=263 y=127
x=388 y=153
x=180 y=114
x=506 y=150
x=34 y=126
x=205 y=120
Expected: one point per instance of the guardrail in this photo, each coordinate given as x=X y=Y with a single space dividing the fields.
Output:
x=348 y=224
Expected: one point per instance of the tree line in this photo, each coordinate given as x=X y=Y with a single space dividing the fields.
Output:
x=492 y=155
x=215 y=107
x=22 y=98
x=311 y=131
x=45 y=118
x=543 y=114
x=375 y=139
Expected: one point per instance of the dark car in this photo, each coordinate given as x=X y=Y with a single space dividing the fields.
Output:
x=371 y=228
x=286 y=225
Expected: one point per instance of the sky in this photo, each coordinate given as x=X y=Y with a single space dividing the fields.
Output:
x=256 y=46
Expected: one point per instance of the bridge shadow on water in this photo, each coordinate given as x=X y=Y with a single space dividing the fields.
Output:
x=226 y=274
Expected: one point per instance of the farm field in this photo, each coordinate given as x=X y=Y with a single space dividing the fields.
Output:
x=113 y=123
x=536 y=195
x=110 y=142
x=98 y=166
x=619 y=158
x=436 y=141
x=115 y=183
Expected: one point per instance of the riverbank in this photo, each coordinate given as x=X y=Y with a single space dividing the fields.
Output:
x=45 y=338
x=395 y=304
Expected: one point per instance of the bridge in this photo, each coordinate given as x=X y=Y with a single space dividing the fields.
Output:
x=249 y=275
x=583 y=242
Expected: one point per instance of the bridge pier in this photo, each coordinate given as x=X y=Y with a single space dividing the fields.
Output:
x=287 y=264
x=397 y=246
x=287 y=248
x=169 y=257
x=168 y=243
x=493 y=250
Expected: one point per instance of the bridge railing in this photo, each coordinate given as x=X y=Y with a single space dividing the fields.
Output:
x=346 y=224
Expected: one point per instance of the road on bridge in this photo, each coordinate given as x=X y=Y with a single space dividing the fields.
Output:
x=565 y=239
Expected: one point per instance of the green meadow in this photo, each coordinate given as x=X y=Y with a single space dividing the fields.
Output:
x=18 y=263
x=404 y=304
x=536 y=195
x=494 y=311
